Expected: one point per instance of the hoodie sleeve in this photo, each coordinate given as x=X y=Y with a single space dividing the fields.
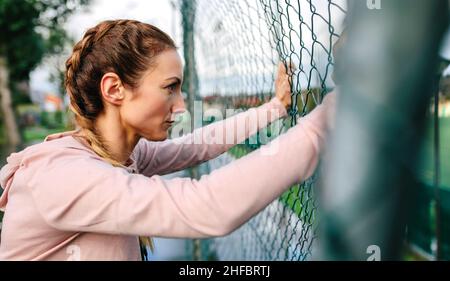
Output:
x=205 y=143
x=78 y=194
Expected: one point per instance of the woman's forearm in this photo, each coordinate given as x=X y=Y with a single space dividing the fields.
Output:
x=205 y=143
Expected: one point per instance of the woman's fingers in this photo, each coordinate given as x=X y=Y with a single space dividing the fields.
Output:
x=286 y=72
x=283 y=82
x=281 y=69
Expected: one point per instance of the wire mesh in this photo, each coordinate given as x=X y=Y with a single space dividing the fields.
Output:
x=238 y=45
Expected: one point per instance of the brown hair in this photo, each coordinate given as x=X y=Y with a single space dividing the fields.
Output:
x=125 y=47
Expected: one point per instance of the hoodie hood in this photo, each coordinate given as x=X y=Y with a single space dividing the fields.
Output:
x=14 y=161
x=22 y=158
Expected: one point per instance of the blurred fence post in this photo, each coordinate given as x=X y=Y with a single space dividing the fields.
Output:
x=190 y=84
x=390 y=59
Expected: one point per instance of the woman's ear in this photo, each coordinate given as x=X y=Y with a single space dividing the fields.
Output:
x=111 y=88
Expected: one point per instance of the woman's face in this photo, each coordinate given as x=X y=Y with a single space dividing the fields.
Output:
x=149 y=109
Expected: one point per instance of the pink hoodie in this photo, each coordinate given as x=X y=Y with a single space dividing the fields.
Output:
x=63 y=202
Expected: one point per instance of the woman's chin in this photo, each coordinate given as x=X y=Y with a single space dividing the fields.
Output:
x=160 y=136
x=164 y=136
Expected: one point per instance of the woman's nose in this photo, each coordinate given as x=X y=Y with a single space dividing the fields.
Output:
x=179 y=105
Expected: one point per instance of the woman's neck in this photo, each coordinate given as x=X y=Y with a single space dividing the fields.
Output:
x=119 y=140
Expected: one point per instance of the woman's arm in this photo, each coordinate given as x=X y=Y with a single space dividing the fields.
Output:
x=159 y=158
x=90 y=196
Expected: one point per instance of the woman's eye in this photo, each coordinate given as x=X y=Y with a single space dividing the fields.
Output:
x=172 y=87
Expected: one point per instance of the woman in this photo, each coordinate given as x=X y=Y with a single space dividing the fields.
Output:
x=89 y=194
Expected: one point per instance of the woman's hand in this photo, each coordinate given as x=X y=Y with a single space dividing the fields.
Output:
x=283 y=86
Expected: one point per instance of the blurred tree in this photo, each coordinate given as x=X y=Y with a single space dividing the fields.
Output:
x=29 y=30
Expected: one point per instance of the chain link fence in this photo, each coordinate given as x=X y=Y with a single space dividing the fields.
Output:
x=238 y=45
